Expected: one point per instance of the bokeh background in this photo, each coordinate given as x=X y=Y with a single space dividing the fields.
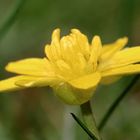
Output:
x=36 y=114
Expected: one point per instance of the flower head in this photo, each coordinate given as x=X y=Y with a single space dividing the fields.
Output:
x=73 y=67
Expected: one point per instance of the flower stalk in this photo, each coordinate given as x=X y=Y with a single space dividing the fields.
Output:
x=89 y=119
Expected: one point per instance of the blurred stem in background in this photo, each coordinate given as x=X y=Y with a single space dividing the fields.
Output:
x=114 y=105
x=9 y=21
x=126 y=19
x=89 y=119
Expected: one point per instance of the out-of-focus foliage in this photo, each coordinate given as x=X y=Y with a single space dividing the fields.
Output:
x=36 y=114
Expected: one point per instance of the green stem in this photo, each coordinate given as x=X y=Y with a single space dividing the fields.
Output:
x=11 y=18
x=89 y=119
x=116 y=103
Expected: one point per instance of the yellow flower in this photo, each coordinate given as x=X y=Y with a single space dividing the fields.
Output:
x=73 y=67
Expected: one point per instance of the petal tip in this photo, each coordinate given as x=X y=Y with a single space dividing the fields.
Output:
x=96 y=40
x=123 y=40
x=74 y=30
x=96 y=37
x=8 y=66
x=56 y=33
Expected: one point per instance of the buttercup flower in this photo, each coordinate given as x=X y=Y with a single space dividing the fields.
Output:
x=73 y=67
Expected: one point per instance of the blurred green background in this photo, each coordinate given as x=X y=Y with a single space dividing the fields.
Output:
x=36 y=114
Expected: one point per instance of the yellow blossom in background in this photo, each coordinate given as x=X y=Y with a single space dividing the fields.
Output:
x=73 y=67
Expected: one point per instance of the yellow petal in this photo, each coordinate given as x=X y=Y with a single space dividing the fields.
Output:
x=53 y=51
x=121 y=58
x=32 y=66
x=109 y=49
x=56 y=37
x=86 y=82
x=129 y=69
x=81 y=42
x=97 y=45
x=9 y=84
x=21 y=82
x=95 y=51
x=127 y=56
x=36 y=82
